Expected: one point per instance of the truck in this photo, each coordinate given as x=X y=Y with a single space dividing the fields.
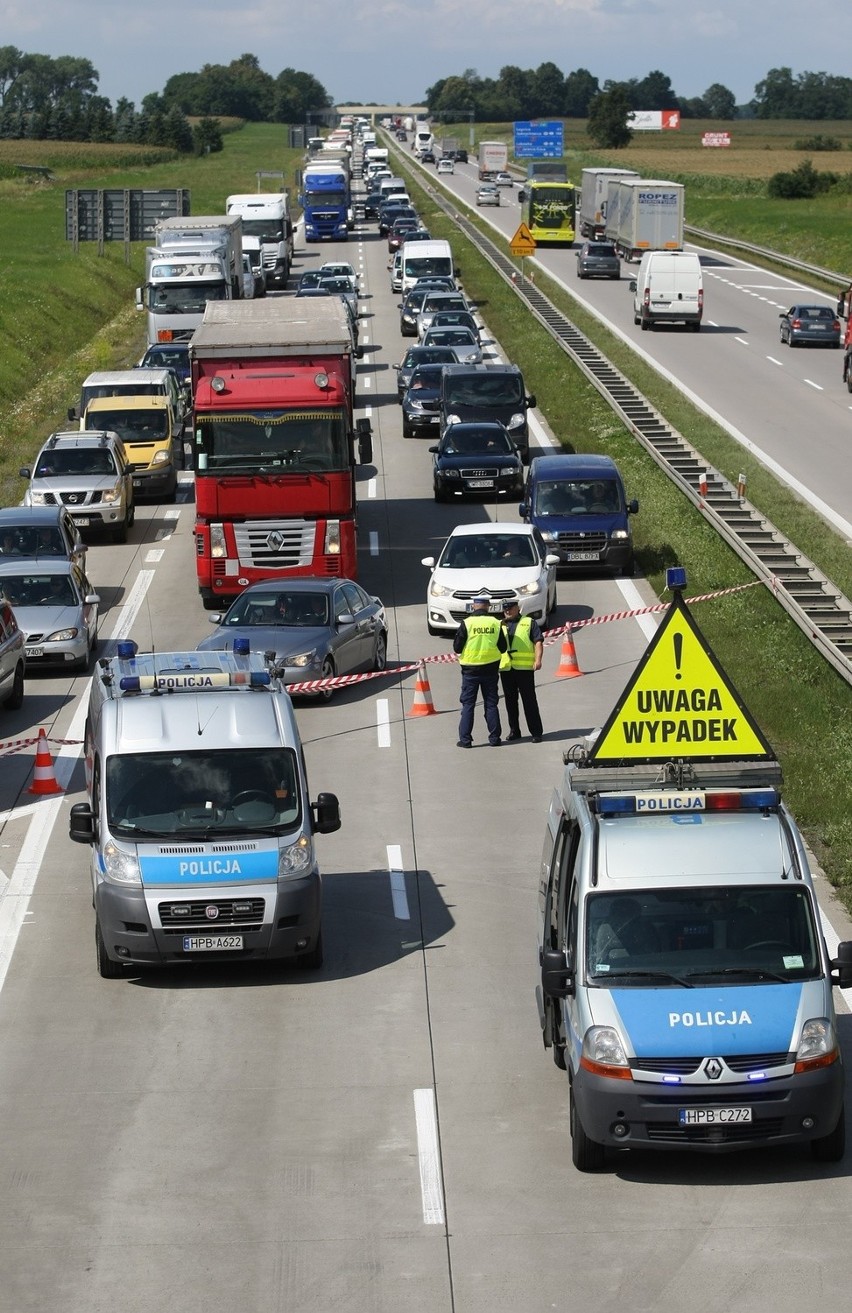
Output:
x=686 y=986
x=644 y=214
x=266 y=215
x=448 y=147
x=493 y=158
x=326 y=201
x=423 y=139
x=195 y=260
x=198 y=813
x=275 y=443
x=594 y=187
x=550 y=170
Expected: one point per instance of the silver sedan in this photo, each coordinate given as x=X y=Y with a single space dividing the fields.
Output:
x=57 y=610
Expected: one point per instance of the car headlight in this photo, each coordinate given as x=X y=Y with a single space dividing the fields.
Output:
x=453 y=419
x=516 y=421
x=295 y=859
x=530 y=590
x=62 y=636
x=450 y=474
x=620 y=534
x=120 y=867
x=438 y=590
x=414 y=405
x=303 y=659
x=37 y=499
x=603 y=1050
x=472 y=359
x=111 y=495
x=817 y=1044
x=161 y=457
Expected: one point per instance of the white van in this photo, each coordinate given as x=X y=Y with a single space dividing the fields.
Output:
x=426 y=260
x=198 y=813
x=668 y=289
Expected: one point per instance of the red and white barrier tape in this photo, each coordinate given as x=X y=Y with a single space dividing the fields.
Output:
x=18 y=745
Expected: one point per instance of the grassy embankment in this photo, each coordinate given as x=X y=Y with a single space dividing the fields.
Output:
x=74 y=315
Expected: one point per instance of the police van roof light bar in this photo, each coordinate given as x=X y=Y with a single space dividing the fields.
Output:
x=663 y=802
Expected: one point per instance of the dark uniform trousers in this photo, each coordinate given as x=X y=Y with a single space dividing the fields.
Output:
x=476 y=680
x=520 y=684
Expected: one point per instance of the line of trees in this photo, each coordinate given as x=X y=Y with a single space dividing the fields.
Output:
x=44 y=98
x=545 y=92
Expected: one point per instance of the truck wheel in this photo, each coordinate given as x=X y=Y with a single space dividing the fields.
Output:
x=587 y=1155
x=107 y=969
x=16 y=695
x=831 y=1148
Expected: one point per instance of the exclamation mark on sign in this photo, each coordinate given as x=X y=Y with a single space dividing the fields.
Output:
x=678 y=653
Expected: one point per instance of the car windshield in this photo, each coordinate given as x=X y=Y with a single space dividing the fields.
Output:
x=278 y=609
x=426 y=377
x=717 y=935
x=74 y=461
x=462 y=441
x=200 y=794
x=576 y=497
x=493 y=549
x=24 y=540
x=450 y=337
x=38 y=589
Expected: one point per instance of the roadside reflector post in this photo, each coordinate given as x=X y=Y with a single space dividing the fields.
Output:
x=741 y=486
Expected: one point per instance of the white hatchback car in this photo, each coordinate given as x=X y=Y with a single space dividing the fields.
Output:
x=509 y=561
x=446 y=165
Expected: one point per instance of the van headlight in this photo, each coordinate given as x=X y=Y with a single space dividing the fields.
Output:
x=161 y=457
x=453 y=419
x=517 y=421
x=619 y=534
x=296 y=858
x=603 y=1053
x=120 y=866
x=817 y=1045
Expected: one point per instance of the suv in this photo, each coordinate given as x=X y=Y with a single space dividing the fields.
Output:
x=89 y=474
x=36 y=532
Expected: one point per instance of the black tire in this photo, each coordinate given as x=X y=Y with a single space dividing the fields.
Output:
x=629 y=568
x=696 y=327
x=586 y=1155
x=107 y=969
x=131 y=515
x=406 y=431
x=831 y=1148
x=433 y=632
x=438 y=494
x=380 y=656
x=645 y=324
x=327 y=671
x=119 y=533
x=14 y=700
x=849 y=380
x=312 y=961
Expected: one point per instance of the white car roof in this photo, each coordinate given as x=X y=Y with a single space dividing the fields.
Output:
x=465 y=530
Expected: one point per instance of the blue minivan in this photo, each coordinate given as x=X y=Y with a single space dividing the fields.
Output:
x=578 y=504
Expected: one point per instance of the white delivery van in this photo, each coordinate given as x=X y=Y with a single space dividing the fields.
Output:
x=668 y=289
x=686 y=988
x=198 y=813
x=432 y=259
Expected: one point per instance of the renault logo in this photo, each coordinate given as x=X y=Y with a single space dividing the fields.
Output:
x=275 y=541
x=712 y=1069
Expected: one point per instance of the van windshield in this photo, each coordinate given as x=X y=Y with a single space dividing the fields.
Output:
x=427 y=266
x=196 y=794
x=576 y=497
x=669 y=937
x=483 y=389
x=131 y=425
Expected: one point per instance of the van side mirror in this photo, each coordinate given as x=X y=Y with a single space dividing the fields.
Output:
x=326 y=813
x=81 y=823
x=557 y=973
x=73 y=412
x=631 y=286
x=633 y=507
x=841 y=966
x=365 y=441
x=524 y=510
x=139 y=298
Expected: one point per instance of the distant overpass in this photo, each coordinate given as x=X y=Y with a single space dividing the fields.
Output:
x=373 y=112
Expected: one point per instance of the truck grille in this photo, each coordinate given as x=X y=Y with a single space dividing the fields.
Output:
x=178 y=917
x=275 y=544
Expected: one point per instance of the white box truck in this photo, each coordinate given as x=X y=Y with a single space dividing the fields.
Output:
x=594 y=188
x=493 y=158
x=267 y=215
x=647 y=216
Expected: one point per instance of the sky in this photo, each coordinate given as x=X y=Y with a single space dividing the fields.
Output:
x=390 y=51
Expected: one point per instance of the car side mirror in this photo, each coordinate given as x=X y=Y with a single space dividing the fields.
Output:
x=557 y=974
x=326 y=813
x=428 y=560
x=25 y=473
x=531 y=401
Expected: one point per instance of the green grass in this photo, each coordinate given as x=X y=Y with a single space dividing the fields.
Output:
x=801 y=704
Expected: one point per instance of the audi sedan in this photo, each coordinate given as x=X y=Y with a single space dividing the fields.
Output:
x=317 y=628
x=810 y=323
x=476 y=460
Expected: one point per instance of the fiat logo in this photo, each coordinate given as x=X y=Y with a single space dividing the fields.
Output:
x=211 y=912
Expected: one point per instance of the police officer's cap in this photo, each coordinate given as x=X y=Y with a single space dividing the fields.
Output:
x=511 y=604
x=482 y=598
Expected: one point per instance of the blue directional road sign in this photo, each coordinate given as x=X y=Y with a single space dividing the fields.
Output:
x=538 y=141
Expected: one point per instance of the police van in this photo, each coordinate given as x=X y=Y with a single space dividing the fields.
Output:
x=198 y=813
x=686 y=986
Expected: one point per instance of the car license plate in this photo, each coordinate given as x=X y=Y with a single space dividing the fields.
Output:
x=211 y=943
x=137 y=483
x=712 y=1116
x=480 y=483
x=35 y=651
x=82 y=520
x=582 y=556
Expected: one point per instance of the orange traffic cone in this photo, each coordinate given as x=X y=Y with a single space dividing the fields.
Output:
x=569 y=667
x=422 y=704
x=44 y=778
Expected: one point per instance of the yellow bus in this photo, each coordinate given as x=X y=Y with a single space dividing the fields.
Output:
x=548 y=210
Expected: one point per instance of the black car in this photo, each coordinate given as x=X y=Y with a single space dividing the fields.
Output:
x=476 y=460
x=427 y=157
x=372 y=203
x=410 y=307
x=416 y=356
x=421 y=400
x=460 y=156
x=598 y=260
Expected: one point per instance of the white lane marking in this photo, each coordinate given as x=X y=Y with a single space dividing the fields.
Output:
x=371 y=486
x=811 y=384
x=368 y=412
x=374 y=543
x=5 y=882
x=366 y=339
x=541 y=438
x=773 y=361
x=162 y=534
x=155 y=555
x=15 y=899
x=172 y=514
x=368 y=382
x=397 y=882
x=431 y=1187
x=383 y=722
x=741 y=341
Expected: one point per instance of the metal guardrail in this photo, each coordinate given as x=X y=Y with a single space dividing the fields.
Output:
x=817 y=606
x=830 y=276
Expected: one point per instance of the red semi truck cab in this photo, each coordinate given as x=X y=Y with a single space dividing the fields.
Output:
x=275 y=443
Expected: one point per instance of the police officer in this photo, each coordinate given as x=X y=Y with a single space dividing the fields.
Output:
x=480 y=642
x=524 y=648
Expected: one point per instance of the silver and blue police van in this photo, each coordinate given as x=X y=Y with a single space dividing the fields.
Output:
x=198 y=813
x=686 y=987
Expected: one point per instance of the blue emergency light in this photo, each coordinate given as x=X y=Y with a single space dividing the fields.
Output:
x=675 y=577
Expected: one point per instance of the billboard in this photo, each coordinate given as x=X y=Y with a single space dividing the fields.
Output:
x=716 y=139
x=653 y=120
x=120 y=215
x=538 y=141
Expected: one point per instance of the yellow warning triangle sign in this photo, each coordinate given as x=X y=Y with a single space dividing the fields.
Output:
x=679 y=705
x=523 y=242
